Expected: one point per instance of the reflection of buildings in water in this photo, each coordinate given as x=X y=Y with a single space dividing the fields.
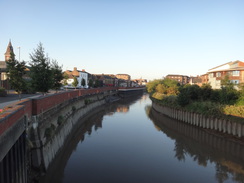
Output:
x=203 y=146
x=143 y=98
x=123 y=109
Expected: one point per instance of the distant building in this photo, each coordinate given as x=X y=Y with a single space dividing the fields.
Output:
x=234 y=69
x=80 y=75
x=139 y=82
x=181 y=79
x=3 y=66
x=105 y=79
x=124 y=80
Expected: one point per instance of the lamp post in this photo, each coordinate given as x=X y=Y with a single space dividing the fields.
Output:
x=19 y=53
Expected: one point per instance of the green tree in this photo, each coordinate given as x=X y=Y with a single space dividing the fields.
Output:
x=15 y=73
x=228 y=95
x=75 y=82
x=40 y=70
x=90 y=83
x=57 y=75
x=83 y=82
x=160 y=88
x=151 y=85
x=206 y=91
x=66 y=77
x=188 y=93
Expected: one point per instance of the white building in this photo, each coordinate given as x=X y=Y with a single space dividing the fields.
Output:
x=83 y=75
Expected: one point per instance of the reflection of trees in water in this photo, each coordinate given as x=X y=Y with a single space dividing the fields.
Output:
x=179 y=151
x=202 y=147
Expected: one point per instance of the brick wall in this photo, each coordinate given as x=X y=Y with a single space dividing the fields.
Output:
x=29 y=107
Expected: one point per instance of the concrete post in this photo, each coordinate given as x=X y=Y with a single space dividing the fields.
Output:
x=233 y=128
x=208 y=123
x=197 y=121
x=200 y=120
x=239 y=130
x=215 y=123
x=203 y=121
x=224 y=125
x=228 y=127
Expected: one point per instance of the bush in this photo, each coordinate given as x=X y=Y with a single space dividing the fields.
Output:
x=73 y=109
x=229 y=96
x=60 y=120
x=234 y=110
x=49 y=131
x=183 y=98
x=206 y=108
x=158 y=95
x=3 y=92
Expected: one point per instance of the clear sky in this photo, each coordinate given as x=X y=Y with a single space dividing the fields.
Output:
x=142 y=38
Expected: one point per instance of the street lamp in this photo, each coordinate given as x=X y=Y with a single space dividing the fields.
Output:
x=19 y=53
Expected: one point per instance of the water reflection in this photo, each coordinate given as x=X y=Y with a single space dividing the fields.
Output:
x=86 y=127
x=203 y=147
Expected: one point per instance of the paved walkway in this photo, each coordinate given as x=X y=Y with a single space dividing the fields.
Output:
x=12 y=97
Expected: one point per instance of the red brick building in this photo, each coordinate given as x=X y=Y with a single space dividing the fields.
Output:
x=234 y=69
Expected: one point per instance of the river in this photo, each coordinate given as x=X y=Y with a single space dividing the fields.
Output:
x=128 y=142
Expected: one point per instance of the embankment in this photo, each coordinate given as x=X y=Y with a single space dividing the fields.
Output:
x=202 y=121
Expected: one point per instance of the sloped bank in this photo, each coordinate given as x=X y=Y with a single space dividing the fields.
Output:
x=200 y=120
x=50 y=129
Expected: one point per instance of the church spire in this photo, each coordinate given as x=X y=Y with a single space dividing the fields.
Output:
x=9 y=51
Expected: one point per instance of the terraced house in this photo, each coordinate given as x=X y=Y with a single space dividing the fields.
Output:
x=234 y=69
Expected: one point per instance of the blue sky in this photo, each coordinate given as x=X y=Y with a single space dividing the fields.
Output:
x=143 y=38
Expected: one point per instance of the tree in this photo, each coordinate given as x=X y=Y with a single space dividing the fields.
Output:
x=40 y=70
x=65 y=77
x=90 y=84
x=75 y=82
x=15 y=73
x=151 y=86
x=206 y=91
x=57 y=75
x=83 y=82
x=228 y=94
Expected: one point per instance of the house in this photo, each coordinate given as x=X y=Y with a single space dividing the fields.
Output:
x=139 y=82
x=105 y=79
x=80 y=75
x=234 y=69
x=124 y=80
x=181 y=79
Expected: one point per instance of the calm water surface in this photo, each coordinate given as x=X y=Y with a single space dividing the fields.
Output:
x=128 y=142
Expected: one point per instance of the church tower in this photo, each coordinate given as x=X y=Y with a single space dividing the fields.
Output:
x=9 y=51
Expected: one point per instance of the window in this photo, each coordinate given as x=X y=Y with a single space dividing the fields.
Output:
x=235 y=73
x=236 y=82
x=211 y=75
x=218 y=74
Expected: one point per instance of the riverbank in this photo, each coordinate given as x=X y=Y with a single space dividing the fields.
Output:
x=203 y=121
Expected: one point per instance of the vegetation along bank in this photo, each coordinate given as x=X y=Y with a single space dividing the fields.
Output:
x=221 y=109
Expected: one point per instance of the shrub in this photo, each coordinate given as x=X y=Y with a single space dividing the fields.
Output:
x=183 y=98
x=3 y=92
x=234 y=110
x=158 y=95
x=73 y=109
x=87 y=101
x=60 y=120
x=49 y=131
